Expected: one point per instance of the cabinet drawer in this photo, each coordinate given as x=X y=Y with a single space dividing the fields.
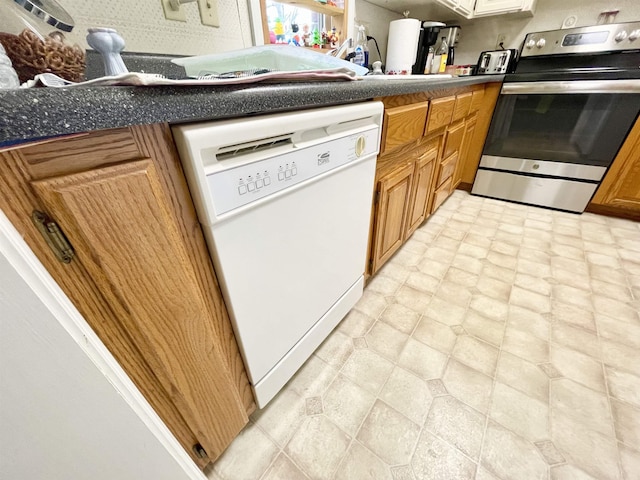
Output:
x=447 y=167
x=441 y=194
x=440 y=113
x=461 y=108
x=453 y=139
x=476 y=100
x=403 y=125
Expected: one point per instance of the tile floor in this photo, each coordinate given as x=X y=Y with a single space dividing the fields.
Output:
x=501 y=342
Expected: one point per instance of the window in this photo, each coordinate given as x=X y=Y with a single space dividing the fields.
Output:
x=293 y=25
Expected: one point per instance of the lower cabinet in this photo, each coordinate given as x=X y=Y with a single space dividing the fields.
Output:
x=141 y=275
x=423 y=173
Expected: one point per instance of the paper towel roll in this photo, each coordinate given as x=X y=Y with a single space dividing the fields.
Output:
x=402 y=46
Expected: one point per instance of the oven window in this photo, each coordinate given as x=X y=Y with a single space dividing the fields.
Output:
x=572 y=128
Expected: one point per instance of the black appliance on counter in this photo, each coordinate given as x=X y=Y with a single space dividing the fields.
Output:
x=428 y=37
x=562 y=116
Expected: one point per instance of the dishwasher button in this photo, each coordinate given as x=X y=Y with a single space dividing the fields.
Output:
x=360 y=146
x=280 y=175
x=294 y=171
x=287 y=173
x=259 y=184
x=242 y=189
x=251 y=186
x=267 y=181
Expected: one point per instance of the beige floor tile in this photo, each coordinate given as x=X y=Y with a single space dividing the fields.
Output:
x=476 y=354
x=461 y=277
x=458 y=424
x=440 y=254
x=450 y=292
x=468 y=385
x=576 y=338
x=402 y=472
x=355 y=324
x=250 y=443
x=532 y=283
x=371 y=304
x=416 y=245
x=453 y=233
x=313 y=378
x=433 y=267
x=445 y=312
x=604 y=274
x=408 y=394
x=423 y=282
x=394 y=271
x=523 y=376
x=615 y=308
x=627 y=423
x=467 y=263
x=494 y=288
x=483 y=474
x=360 y=463
x=530 y=300
x=520 y=413
x=623 y=386
x=611 y=290
x=570 y=279
x=407 y=258
x=525 y=345
x=571 y=314
x=505 y=248
x=491 y=331
x=281 y=417
x=383 y=285
x=368 y=370
x=550 y=452
x=400 y=317
x=502 y=260
x=424 y=361
x=510 y=457
x=347 y=404
x=535 y=269
x=630 y=461
x=572 y=296
x=579 y=367
x=536 y=243
x=413 y=299
x=569 y=472
x=529 y=322
x=479 y=240
x=582 y=405
x=318 y=447
x=284 y=469
x=578 y=267
x=595 y=453
x=620 y=356
x=435 y=334
x=389 y=434
x=434 y=459
x=336 y=349
x=386 y=340
x=489 y=270
x=490 y=307
x=472 y=250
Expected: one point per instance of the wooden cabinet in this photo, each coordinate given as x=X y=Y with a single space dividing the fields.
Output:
x=498 y=7
x=392 y=197
x=141 y=275
x=619 y=192
x=430 y=141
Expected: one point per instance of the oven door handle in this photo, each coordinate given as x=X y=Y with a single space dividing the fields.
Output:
x=575 y=86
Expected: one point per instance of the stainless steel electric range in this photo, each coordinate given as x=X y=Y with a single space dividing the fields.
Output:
x=562 y=116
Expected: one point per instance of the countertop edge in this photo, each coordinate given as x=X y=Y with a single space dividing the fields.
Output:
x=32 y=114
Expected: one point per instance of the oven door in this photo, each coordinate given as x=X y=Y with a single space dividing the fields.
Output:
x=577 y=122
x=550 y=143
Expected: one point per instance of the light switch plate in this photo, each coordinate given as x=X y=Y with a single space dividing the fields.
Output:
x=209 y=12
x=171 y=14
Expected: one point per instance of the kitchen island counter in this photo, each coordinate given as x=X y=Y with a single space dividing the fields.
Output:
x=29 y=114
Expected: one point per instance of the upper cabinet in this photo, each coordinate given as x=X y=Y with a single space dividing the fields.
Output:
x=482 y=8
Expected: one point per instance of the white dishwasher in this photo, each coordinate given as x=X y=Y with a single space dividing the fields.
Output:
x=285 y=204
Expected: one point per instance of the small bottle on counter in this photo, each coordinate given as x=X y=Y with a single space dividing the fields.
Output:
x=443 y=52
x=362 y=51
x=427 y=65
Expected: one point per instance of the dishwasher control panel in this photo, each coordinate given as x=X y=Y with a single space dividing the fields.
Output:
x=257 y=179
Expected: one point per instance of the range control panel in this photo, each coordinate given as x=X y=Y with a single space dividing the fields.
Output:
x=257 y=179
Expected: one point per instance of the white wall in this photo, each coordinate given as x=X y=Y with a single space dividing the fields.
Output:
x=67 y=411
x=376 y=20
x=481 y=34
x=144 y=28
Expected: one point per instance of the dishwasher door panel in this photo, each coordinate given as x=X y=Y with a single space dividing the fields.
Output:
x=284 y=263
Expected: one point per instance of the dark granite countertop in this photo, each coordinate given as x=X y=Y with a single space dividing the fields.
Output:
x=27 y=114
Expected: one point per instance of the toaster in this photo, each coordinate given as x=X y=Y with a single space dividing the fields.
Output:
x=494 y=62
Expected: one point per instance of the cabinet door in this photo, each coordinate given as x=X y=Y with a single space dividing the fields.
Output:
x=466 y=6
x=469 y=132
x=421 y=191
x=141 y=276
x=393 y=194
x=440 y=113
x=462 y=105
x=620 y=188
x=403 y=125
x=494 y=7
x=441 y=194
